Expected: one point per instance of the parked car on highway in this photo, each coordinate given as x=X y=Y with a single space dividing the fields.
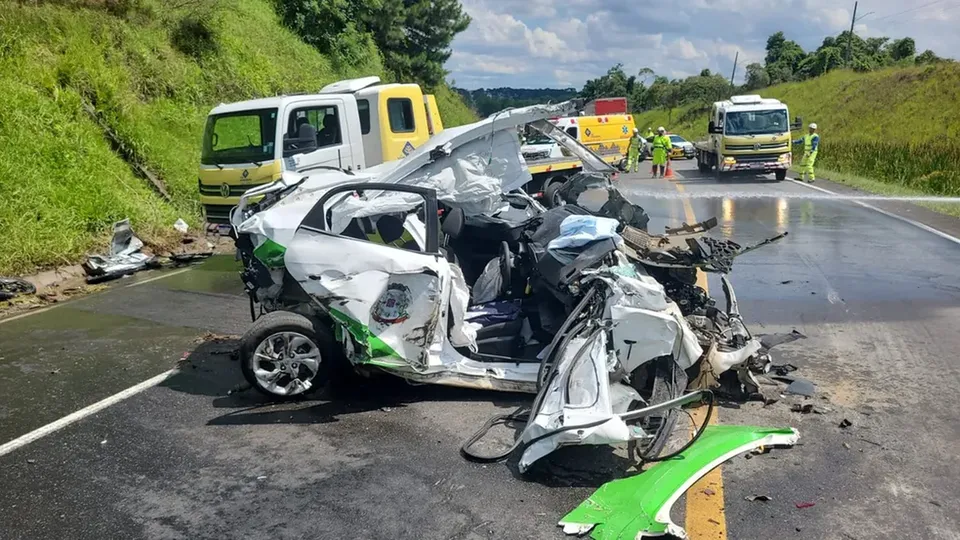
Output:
x=681 y=148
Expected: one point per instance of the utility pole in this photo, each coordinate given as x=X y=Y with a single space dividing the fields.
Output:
x=853 y=20
x=734 y=74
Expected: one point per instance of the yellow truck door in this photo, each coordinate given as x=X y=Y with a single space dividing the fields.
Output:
x=434 y=123
x=393 y=120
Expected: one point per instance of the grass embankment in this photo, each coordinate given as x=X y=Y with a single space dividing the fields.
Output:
x=897 y=126
x=153 y=70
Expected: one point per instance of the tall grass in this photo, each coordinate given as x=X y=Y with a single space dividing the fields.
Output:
x=153 y=69
x=899 y=126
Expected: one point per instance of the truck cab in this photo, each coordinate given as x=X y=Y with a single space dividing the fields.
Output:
x=349 y=125
x=747 y=134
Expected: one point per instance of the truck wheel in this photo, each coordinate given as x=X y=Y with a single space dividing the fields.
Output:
x=284 y=355
x=780 y=175
x=703 y=166
x=551 y=195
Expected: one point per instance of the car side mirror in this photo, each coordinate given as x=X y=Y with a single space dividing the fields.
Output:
x=712 y=128
x=797 y=123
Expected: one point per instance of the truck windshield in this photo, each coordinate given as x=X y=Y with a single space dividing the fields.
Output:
x=239 y=137
x=756 y=122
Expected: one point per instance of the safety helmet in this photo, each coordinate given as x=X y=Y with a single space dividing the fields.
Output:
x=635 y=130
x=813 y=126
x=661 y=129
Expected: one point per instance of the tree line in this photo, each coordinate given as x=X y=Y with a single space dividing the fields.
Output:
x=785 y=61
x=413 y=36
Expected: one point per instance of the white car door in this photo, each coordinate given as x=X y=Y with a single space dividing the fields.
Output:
x=386 y=289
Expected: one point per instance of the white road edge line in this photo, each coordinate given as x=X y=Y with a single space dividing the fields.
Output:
x=41 y=432
x=48 y=308
x=917 y=224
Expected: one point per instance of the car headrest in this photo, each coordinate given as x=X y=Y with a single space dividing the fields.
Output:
x=390 y=228
x=453 y=223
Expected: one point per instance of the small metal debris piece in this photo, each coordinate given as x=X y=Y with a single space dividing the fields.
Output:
x=709 y=491
x=103 y=442
x=806 y=408
x=846 y=445
x=845 y=423
x=801 y=387
x=31 y=461
x=802 y=505
x=261 y=478
x=786 y=282
x=761 y=498
x=783 y=369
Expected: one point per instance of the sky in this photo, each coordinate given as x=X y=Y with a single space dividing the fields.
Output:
x=562 y=43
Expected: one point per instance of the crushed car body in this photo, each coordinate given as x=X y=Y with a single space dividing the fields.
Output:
x=438 y=269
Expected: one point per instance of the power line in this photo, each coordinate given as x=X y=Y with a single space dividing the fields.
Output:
x=909 y=10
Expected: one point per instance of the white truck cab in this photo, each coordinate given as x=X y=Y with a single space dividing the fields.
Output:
x=348 y=125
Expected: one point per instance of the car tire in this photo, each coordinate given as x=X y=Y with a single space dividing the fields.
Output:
x=662 y=381
x=280 y=323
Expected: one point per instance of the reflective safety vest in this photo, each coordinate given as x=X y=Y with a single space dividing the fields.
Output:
x=811 y=141
x=662 y=142
x=634 y=144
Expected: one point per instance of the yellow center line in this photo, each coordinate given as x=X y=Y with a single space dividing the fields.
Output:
x=706 y=518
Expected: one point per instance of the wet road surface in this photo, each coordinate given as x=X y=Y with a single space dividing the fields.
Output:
x=877 y=298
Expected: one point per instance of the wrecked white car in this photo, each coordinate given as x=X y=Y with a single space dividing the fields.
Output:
x=437 y=269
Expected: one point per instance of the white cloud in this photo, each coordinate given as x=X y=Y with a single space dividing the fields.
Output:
x=558 y=43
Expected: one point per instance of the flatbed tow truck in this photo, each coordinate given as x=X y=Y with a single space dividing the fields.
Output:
x=608 y=135
x=747 y=134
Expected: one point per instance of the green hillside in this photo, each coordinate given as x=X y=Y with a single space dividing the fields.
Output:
x=152 y=70
x=900 y=126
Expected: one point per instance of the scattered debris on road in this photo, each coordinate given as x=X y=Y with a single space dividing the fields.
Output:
x=181 y=226
x=845 y=423
x=639 y=506
x=805 y=408
x=125 y=257
x=761 y=498
x=11 y=287
x=802 y=505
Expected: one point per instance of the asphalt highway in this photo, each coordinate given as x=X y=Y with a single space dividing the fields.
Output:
x=192 y=457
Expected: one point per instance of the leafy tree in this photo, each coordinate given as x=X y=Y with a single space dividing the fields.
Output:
x=612 y=84
x=757 y=76
x=414 y=36
x=928 y=57
x=903 y=49
x=705 y=73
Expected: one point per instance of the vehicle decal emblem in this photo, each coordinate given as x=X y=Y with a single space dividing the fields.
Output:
x=245 y=174
x=224 y=190
x=392 y=306
x=587 y=131
x=624 y=130
x=756 y=146
x=407 y=148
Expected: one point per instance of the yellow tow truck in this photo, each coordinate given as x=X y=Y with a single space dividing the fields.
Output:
x=550 y=166
x=351 y=125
